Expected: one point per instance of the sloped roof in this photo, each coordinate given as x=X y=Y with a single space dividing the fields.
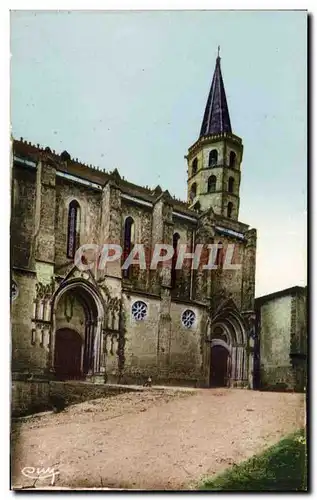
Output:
x=216 y=117
x=28 y=151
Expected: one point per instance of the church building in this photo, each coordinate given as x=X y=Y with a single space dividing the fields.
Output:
x=183 y=326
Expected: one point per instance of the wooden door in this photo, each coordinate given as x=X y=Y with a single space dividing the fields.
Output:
x=219 y=366
x=68 y=347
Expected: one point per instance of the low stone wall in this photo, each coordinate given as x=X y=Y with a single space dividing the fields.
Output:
x=160 y=380
x=35 y=396
x=77 y=392
x=29 y=397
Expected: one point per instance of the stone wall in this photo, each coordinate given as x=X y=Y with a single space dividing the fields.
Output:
x=299 y=322
x=277 y=378
x=182 y=286
x=283 y=340
x=275 y=332
x=171 y=355
x=22 y=218
x=89 y=202
x=298 y=349
x=141 y=340
x=160 y=345
x=28 y=397
x=28 y=355
x=142 y=217
x=220 y=198
x=229 y=280
x=77 y=392
x=186 y=355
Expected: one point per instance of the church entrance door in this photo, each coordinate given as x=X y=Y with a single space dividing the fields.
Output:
x=68 y=353
x=219 y=366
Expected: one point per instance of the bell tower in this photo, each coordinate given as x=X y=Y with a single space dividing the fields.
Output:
x=214 y=160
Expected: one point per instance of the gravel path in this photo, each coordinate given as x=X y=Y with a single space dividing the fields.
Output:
x=156 y=439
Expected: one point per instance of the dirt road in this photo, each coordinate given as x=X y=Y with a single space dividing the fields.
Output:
x=151 y=440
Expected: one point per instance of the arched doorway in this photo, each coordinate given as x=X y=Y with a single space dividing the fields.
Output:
x=219 y=366
x=77 y=321
x=68 y=354
x=226 y=367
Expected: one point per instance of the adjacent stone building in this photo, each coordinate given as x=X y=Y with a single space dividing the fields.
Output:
x=281 y=343
x=186 y=326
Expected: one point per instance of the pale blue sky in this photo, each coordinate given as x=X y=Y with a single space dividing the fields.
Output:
x=128 y=90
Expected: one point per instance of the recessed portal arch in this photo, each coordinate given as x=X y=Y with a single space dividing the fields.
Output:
x=227 y=331
x=77 y=320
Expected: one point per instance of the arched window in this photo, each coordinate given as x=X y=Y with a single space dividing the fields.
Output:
x=213 y=158
x=194 y=166
x=218 y=260
x=229 y=209
x=230 y=184
x=193 y=191
x=176 y=238
x=232 y=159
x=128 y=242
x=212 y=181
x=73 y=231
x=197 y=206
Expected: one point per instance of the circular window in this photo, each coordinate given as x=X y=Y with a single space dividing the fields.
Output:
x=188 y=318
x=139 y=310
x=14 y=290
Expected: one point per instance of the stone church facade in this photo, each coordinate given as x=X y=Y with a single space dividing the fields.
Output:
x=179 y=326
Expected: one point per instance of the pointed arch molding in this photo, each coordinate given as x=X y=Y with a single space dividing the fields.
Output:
x=227 y=315
x=222 y=343
x=84 y=285
x=95 y=318
x=103 y=315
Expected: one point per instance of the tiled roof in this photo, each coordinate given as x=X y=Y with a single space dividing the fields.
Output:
x=31 y=152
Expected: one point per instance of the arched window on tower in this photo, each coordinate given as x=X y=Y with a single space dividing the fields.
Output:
x=213 y=158
x=230 y=184
x=212 y=181
x=193 y=191
x=229 y=209
x=128 y=242
x=176 y=238
x=194 y=166
x=232 y=159
x=73 y=231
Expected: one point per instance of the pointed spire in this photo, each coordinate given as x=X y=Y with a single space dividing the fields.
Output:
x=216 y=118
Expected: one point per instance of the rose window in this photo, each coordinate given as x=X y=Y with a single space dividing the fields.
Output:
x=188 y=318
x=14 y=290
x=139 y=310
